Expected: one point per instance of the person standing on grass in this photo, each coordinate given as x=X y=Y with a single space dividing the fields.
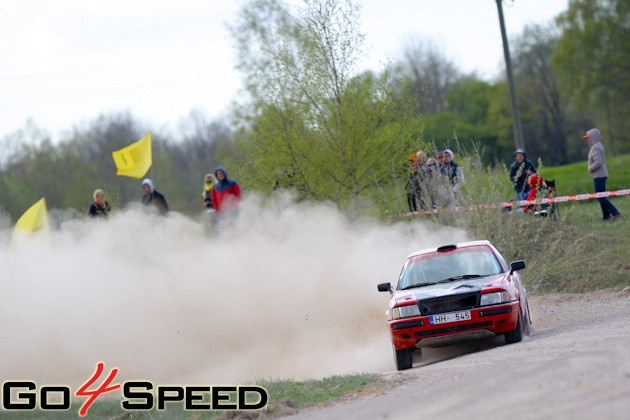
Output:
x=597 y=170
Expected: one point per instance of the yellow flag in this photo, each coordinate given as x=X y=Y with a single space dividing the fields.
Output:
x=135 y=159
x=34 y=221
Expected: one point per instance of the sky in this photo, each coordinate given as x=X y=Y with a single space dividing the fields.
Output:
x=65 y=63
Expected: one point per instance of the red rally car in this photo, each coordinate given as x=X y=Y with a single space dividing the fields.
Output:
x=455 y=293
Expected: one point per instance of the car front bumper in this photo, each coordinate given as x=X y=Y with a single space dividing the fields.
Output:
x=418 y=331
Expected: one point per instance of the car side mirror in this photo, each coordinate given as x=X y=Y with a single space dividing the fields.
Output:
x=385 y=287
x=517 y=265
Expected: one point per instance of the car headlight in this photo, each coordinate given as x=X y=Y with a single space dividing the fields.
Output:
x=405 y=311
x=494 y=298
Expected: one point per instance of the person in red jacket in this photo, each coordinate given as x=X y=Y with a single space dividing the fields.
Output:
x=225 y=197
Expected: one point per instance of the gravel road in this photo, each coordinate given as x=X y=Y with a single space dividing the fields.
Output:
x=575 y=365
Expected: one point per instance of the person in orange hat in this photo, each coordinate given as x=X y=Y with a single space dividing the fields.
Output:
x=598 y=171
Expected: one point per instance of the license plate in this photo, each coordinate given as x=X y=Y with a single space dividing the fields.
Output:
x=446 y=318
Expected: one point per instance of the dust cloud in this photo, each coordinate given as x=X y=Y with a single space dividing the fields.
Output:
x=289 y=293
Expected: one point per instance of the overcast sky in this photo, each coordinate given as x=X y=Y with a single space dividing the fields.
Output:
x=65 y=62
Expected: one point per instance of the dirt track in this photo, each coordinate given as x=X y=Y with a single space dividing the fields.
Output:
x=575 y=365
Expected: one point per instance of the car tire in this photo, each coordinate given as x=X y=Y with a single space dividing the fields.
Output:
x=403 y=358
x=527 y=327
x=516 y=334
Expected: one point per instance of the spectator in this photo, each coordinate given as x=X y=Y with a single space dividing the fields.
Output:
x=154 y=198
x=100 y=207
x=433 y=166
x=413 y=184
x=520 y=171
x=452 y=173
x=226 y=194
x=208 y=182
x=598 y=171
x=431 y=182
x=422 y=158
x=422 y=190
x=440 y=159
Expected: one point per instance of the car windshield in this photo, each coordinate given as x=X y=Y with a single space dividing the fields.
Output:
x=427 y=269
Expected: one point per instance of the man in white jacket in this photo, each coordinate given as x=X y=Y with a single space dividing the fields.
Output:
x=597 y=170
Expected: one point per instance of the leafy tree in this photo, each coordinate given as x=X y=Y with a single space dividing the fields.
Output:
x=340 y=134
x=500 y=117
x=592 y=62
x=464 y=124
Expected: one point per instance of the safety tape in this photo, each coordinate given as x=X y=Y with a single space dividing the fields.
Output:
x=523 y=203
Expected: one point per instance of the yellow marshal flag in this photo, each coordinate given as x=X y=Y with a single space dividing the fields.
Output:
x=34 y=221
x=135 y=159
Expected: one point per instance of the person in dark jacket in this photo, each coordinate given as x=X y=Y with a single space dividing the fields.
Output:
x=520 y=171
x=413 y=183
x=154 y=198
x=100 y=206
x=225 y=197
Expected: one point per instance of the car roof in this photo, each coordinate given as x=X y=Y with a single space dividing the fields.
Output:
x=458 y=245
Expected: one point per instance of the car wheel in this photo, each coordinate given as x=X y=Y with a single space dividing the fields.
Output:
x=516 y=334
x=527 y=327
x=403 y=358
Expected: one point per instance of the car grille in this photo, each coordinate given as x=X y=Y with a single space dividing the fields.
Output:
x=457 y=302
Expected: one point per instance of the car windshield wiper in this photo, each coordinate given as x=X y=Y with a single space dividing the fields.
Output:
x=418 y=285
x=464 y=277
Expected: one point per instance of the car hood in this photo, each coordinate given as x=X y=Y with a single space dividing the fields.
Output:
x=450 y=288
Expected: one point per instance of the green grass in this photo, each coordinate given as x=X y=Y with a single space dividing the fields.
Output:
x=285 y=397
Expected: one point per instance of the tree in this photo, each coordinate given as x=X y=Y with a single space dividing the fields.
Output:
x=431 y=74
x=541 y=109
x=592 y=63
x=340 y=133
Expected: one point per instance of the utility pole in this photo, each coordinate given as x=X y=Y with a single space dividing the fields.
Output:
x=516 y=117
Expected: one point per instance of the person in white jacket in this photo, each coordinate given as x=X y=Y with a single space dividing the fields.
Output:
x=598 y=171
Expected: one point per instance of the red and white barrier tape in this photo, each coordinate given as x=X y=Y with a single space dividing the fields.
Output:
x=562 y=199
